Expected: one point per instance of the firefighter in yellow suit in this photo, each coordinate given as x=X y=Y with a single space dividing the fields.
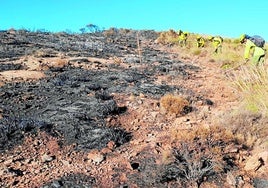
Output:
x=183 y=36
x=200 y=41
x=217 y=43
x=252 y=51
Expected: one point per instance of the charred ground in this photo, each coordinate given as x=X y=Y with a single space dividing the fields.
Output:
x=82 y=110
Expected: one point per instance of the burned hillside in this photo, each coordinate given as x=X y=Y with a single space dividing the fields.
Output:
x=61 y=101
x=84 y=110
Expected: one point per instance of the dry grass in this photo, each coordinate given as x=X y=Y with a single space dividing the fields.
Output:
x=232 y=50
x=252 y=83
x=249 y=122
x=110 y=32
x=204 y=133
x=173 y=104
x=168 y=37
x=201 y=150
x=248 y=128
x=197 y=52
x=117 y=60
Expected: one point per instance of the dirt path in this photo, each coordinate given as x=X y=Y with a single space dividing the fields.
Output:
x=210 y=81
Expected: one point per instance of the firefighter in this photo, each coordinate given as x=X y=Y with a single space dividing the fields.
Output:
x=254 y=48
x=217 y=43
x=183 y=36
x=200 y=41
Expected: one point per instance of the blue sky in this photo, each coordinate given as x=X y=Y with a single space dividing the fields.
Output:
x=228 y=18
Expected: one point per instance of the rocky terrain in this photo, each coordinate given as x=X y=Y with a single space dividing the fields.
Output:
x=84 y=110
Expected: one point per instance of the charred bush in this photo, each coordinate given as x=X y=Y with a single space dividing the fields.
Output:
x=13 y=129
x=96 y=137
x=189 y=166
x=10 y=66
x=72 y=180
x=103 y=95
x=120 y=136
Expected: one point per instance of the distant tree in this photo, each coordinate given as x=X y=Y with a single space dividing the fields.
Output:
x=68 y=31
x=93 y=28
x=83 y=30
x=42 y=31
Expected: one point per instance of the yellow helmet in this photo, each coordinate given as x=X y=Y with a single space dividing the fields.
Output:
x=198 y=37
x=210 y=37
x=242 y=37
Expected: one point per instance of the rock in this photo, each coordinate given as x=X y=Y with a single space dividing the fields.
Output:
x=56 y=184
x=256 y=161
x=111 y=145
x=154 y=114
x=260 y=183
x=208 y=185
x=46 y=158
x=2 y=171
x=65 y=163
x=95 y=156
x=8 y=162
x=230 y=179
x=264 y=156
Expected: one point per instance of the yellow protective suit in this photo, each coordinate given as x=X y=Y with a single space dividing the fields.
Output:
x=217 y=43
x=200 y=41
x=183 y=38
x=254 y=52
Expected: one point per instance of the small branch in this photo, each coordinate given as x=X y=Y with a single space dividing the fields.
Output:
x=139 y=48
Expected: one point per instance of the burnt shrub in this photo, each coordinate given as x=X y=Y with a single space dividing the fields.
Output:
x=200 y=154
